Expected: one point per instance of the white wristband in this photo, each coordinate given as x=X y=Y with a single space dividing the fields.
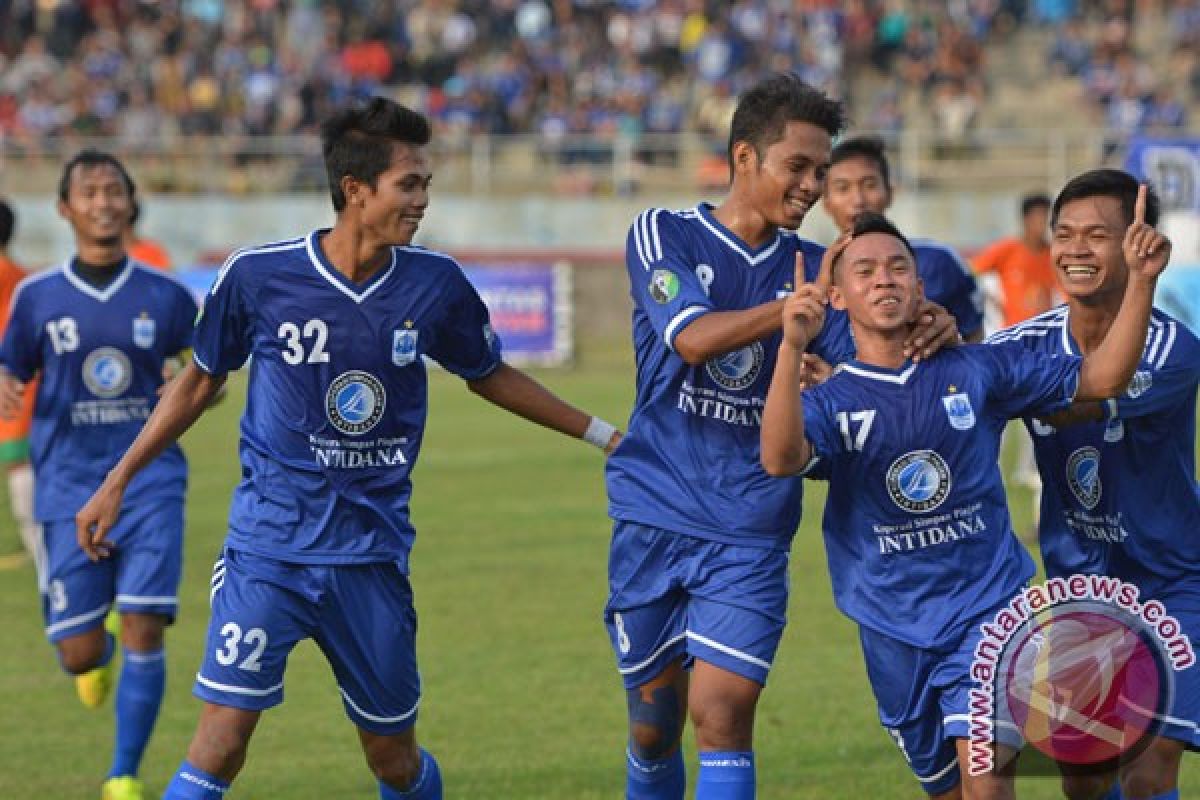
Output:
x=599 y=433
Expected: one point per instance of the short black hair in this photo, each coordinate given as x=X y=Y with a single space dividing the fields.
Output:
x=1108 y=183
x=1036 y=200
x=765 y=110
x=8 y=221
x=874 y=222
x=90 y=157
x=869 y=147
x=358 y=141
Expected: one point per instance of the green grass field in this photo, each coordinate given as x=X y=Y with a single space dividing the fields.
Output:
x=521 y=698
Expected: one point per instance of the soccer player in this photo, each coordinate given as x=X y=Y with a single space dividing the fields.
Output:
x=1022 y=263
x=97 y=331
x=698 y=560
x=1096 y=517
x=336 y=325
x=917 y=533
x=859 y=180
x=143 y=249
x=14 y=433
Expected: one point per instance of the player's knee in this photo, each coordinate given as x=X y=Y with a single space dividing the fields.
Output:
x=143 y=633
x=397 y=767
x=724 y=726
x=655 y=722
x=81 y=654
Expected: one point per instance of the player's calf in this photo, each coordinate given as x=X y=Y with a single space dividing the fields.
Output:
x=1155 y=773
x=654 y=762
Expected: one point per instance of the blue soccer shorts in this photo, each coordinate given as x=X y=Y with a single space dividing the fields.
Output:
x=1181 y=598
x=675 y=597
x=361 y=616
x=923 y=698
x=142 y=574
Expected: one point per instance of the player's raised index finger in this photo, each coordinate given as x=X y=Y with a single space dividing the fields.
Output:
x=1139 y=206
x=800 y=278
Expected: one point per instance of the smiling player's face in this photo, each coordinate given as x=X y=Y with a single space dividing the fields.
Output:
x=1086 y=247
x=98 y=204
x=876 y=283
x=393 y=209
x=787 y=181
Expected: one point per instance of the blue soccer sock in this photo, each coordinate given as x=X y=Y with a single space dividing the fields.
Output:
x=427 y=786
x=1114 y=792
x=193 y=783
x=1171 y=795
x=139 y=696
x=647 y=779
x=726 y=775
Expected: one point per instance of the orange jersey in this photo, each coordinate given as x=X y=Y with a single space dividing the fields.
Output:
x=1026 y=277
x=13 y=430
x=150 y=253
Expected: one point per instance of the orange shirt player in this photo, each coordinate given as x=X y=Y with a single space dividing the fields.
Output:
x=1023 y=263
x=141 y=250
x=14 y=433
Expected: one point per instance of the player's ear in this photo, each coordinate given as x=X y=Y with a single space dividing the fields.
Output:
x=352 y=190
x=836 y=298
x=64 y=210
x=744 y=156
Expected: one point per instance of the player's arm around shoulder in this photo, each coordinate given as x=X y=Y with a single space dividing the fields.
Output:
x=182 y=403
x=516 y=392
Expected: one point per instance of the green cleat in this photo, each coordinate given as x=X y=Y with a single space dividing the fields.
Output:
x=94 y=685
x=123 y=787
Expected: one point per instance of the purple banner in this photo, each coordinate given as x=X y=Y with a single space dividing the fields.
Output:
x=530 y=305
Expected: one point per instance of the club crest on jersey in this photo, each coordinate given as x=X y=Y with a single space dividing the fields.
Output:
x=1083 y=476
x=1139 y=384
x=918 y=481
x=664 y=286
x=354 y=402
x=404 y=347
x=143 y=332
x=738 y=369
x=107 y=372
x=959 y=411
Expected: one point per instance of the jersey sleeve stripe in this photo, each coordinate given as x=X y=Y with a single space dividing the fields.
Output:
x=679 y=320
x=637 y=243
x=201 y=364
x=1153 y=340
x=657 y=251
x=1167 y=347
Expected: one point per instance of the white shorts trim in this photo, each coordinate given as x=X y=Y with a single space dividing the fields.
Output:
x=952 y=765
x=79 y=620
x=662 y=648
x=144 y=600
x=222 y=687
x=729 y=651
x=374 y=718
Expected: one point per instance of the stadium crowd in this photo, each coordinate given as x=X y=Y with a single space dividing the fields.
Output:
x=146 y=72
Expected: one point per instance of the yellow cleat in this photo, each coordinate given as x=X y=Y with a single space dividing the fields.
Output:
x=123 y=787
x=94 y=685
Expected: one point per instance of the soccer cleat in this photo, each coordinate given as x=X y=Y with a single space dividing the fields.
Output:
x=123 y=787
x=94 y=685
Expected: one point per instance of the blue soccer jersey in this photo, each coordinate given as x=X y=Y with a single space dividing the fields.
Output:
x=99 y=353
x=1120 y=495
x=336 y=405
x=916 y=524
x=689 y=462
x=950 y=283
